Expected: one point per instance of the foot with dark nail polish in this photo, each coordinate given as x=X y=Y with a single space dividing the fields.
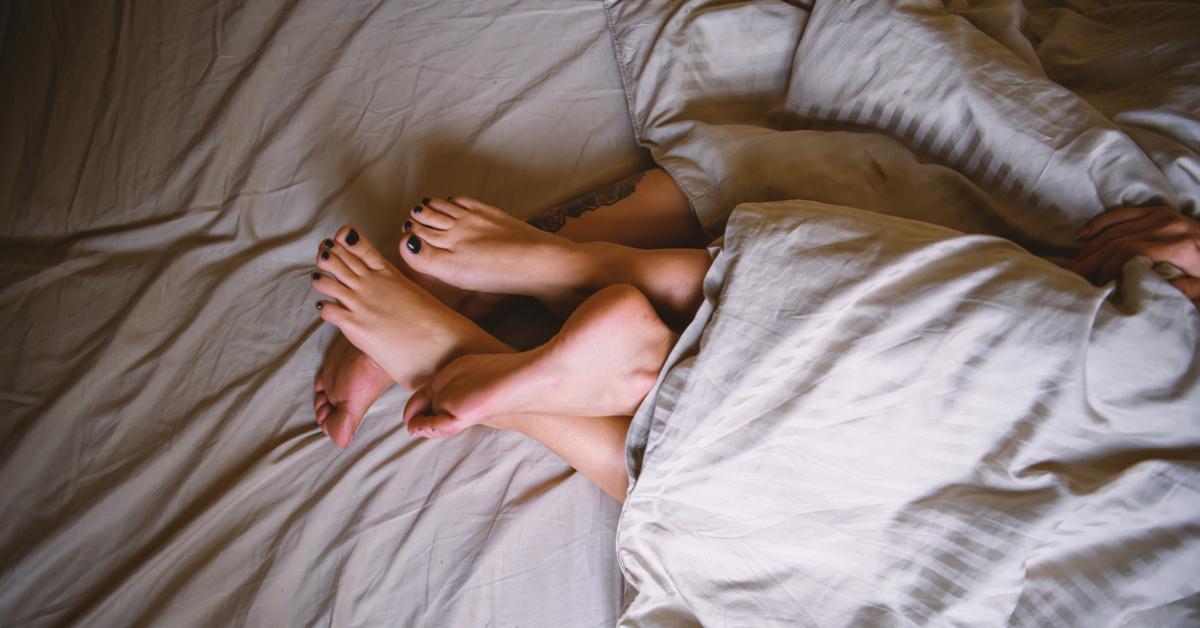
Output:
x=474 y=246
x=351 y=237
x=403 y=330
x=602 y=363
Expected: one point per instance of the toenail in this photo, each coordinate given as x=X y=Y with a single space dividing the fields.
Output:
x=352 y=237
x=414 y=244
x=408 y=225
x=426 y=200
x=417 y=209
x=325 y=255
x=316 y=276
x=320 y=306
x=327 y=243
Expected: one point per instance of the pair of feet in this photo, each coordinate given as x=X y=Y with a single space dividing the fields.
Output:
x=394 y=330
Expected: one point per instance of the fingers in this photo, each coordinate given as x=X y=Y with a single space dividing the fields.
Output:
x=1190 y=287
x=1121 y=230
x=1112 y=217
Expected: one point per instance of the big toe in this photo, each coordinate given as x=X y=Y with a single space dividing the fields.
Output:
x=423 y=257
x=436 y=426
x=358 y=244
x=342 y=424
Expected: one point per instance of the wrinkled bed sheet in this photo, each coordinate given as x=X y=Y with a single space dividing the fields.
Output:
x=166 y=172
x=992 y=116
x=880 y=422
x=909 y=426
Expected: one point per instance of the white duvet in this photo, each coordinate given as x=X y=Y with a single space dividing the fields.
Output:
x=876 y=421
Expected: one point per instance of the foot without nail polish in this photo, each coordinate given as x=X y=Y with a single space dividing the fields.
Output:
x=413 y=244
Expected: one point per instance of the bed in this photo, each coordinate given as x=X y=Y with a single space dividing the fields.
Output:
x=889 y=411
x=167 y=172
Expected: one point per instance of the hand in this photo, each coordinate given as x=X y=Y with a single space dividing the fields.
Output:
x=1159 y=233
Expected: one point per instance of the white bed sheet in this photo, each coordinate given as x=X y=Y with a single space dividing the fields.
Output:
x=166 y=172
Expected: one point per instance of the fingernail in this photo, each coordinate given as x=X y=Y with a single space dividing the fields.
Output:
x=417 y=209
x=316 y=276
x=426 y=200
x=327 y=243
x=414 y=244
x=352 y=237
x=320 y=306
x=408 y=225
x=325 y=255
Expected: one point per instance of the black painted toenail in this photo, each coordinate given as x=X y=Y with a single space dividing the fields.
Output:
x=426 y=200
x=408 y=225
x=327 y=243
x=417 y=209
x=325 y=255
x=320 y=306
x=352 y=237
x=414 y=244
x=316 y=276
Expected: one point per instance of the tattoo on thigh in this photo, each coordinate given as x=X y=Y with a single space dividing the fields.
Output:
x=554 y=219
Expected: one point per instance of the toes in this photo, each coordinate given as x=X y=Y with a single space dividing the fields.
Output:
x=358 y=245
x=352 y=261
x=331 y=287
x=436 y=426
x=323 y=413
x=342 y=424
x=449 y=208
x=473 y=205
x=430 y=236
x=333 y=264
x=332 y=312
x=431 y=217
x=421 y=256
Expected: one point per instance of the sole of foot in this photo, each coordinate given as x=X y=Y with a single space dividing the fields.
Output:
x=402 y=329
x=603 y=362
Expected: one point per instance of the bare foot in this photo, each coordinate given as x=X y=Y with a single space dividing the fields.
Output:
x=348 y=383
x=404 y=331
x=602 y=363
x=480 y=248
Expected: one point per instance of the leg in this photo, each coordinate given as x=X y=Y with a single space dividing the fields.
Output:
x=594 y=446
x=602 y=363
x=644 y=210
x=422 y=333
x=477 y=247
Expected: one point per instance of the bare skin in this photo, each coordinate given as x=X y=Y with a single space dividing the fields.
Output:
x=646 y=209
x=1162 y=234
x=474 y=246
x=602 y=363
x=372 y=296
